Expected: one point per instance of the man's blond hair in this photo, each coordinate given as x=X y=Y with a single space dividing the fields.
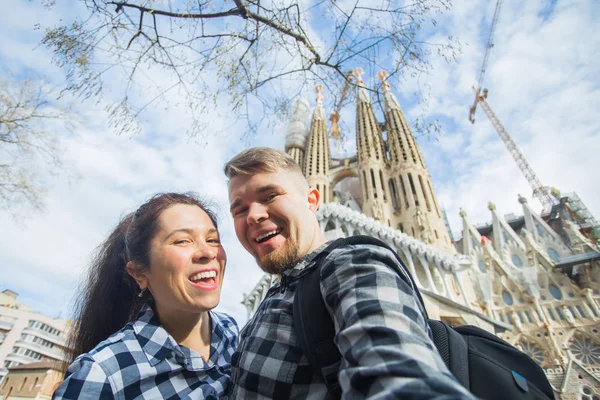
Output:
x=260 y=159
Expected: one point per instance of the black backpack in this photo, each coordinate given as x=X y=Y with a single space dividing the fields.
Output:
x=486 y=365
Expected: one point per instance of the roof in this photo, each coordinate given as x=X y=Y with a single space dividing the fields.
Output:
x=570 y=261
x=38 y=365
x=516 y=224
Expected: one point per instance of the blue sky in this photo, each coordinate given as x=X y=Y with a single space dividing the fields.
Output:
x=544 y=83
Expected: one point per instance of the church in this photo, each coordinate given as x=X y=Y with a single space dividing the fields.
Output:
x=532 y=279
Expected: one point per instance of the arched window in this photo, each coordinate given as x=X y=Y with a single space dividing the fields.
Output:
x=517 y=261
x=482 y=266
x=413 y=190
x=507 y=298
x=394 y=195
x=555 y=292
x=382 y=185
x=373 y=185
x=553 y=254
x=424 y=194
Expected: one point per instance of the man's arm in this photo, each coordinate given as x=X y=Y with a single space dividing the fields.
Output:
x=381 y=330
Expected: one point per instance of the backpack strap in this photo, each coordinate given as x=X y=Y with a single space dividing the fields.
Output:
x=453 y=349
x=314 y=326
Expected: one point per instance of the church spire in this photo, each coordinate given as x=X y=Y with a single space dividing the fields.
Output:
x=370 y=155
x=316 y=165
x=297 y=131
x=413 y=203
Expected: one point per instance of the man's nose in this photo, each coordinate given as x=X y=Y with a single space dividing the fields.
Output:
x=257 y=213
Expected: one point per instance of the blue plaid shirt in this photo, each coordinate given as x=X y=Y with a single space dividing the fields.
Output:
x=381 y=332
x=142 y=361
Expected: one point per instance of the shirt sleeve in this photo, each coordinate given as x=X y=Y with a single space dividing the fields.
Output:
x=381 y=329
x=85 y=379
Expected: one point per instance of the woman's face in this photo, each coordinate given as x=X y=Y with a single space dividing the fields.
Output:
x=187 y=261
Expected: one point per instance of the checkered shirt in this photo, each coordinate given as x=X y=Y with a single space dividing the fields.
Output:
x=381 y=332
x=142 y=361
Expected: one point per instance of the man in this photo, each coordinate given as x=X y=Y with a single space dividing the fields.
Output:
x=381 y=330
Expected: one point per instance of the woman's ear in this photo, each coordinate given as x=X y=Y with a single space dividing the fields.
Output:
x=137 y=273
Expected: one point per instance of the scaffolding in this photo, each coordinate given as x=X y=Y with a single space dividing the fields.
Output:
x=582 y=216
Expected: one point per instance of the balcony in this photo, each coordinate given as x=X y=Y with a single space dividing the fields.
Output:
x=20 y=358
x=59 y=340
x=46 y=351
x=5 y=325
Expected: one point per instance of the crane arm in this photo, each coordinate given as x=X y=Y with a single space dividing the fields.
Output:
x=539 y=191
x=490 y=44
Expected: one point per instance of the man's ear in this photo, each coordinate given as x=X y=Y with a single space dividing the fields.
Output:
x=137 y=273
x=314 y=198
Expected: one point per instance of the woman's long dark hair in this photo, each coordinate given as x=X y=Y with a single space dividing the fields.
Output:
x=108 y=298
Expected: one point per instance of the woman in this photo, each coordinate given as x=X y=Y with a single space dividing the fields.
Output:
x=144 y=328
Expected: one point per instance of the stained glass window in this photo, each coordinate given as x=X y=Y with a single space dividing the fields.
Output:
x=555 y=292
x=585 y=350
x=517 y=261
x=482 y=265
x=533 y=351
x=507 y=298
x=553 y=254
x=540 y=231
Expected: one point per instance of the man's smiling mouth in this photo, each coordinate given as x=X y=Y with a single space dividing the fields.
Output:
x=267 y=235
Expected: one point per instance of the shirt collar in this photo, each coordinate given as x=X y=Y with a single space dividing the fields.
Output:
x=305 y=261
x=154 y=339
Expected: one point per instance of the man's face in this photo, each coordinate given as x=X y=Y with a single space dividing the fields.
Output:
x=274 y=217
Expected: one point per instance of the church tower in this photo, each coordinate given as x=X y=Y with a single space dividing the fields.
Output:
x=318 y=158
x=370 y=156
x=297 y=131
x=413 y=204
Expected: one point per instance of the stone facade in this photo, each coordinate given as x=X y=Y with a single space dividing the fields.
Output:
x=534 y=280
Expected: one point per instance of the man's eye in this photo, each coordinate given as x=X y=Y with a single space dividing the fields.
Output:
x=214 y=240
x=270 y=197
x=239 y=211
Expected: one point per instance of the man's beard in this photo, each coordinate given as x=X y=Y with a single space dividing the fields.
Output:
x=281 y=259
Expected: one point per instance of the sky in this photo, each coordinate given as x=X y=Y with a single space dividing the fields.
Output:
x=544 y=85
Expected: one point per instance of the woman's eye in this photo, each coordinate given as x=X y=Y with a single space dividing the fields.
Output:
x=182 y=241
x=214 y=240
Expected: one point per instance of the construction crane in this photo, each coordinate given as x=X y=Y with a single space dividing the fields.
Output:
x=541 y=192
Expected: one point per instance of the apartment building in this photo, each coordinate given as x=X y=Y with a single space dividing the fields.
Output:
x=26 y=336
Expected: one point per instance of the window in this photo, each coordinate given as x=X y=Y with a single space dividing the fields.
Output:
x=540 y=231
x=534 y=352
x=424 y=194
x=555 y=291
x=382 y=186
x=404 y=192
x=585 y=350
x=553 y=254
x=507 y=298
x=413 y=190
x=516 y=260
x=482 y=265
x=373 y=185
